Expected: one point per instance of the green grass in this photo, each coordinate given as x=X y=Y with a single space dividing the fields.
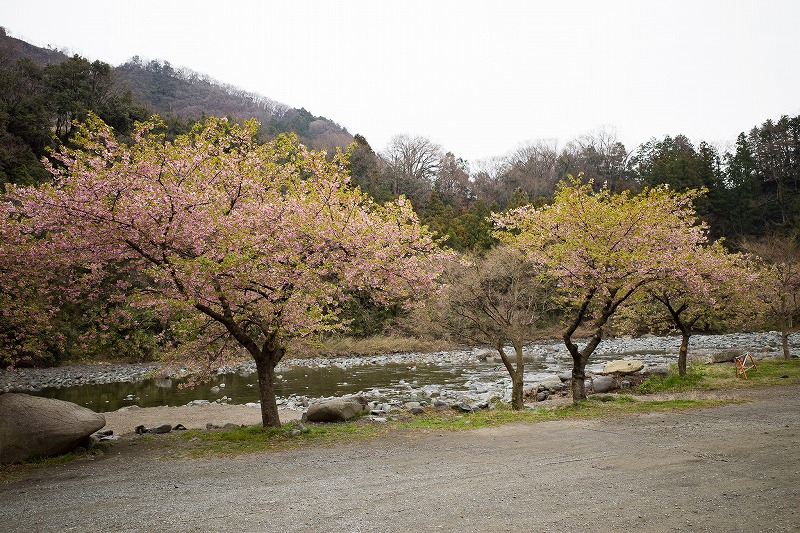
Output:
x=197 y=443
x=722 y=376
x=598 y=406
x=255 y=438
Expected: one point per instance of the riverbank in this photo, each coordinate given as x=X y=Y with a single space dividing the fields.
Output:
x=661 y=352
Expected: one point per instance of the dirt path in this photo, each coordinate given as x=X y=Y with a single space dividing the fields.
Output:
x=124 y=421
x=730 y=468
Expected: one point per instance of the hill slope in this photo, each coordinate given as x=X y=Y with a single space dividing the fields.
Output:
x=188 y=95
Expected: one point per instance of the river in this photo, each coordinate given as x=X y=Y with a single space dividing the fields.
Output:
x=396 y=377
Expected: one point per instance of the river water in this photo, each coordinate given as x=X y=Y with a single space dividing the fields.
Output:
x=392 y=377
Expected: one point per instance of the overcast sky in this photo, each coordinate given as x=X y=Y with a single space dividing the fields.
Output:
x=477 y=77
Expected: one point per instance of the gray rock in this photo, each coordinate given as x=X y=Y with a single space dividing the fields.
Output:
x=551 y=383
x=602 y=384
x=565 y=376
x=31 y=426
x=725 y=357
x=542 y=396
x=623 y=366
x=484 y=353
x=336 y=410
x=659 y=371
x=416 y=410
x=462 y=406
x=160 y=428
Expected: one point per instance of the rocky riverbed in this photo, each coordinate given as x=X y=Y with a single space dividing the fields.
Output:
x=483 y=384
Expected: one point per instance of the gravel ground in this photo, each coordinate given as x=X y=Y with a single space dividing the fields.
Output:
x=729 y=468
x=124 y=421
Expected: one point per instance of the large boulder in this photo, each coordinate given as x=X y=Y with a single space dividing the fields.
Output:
x=551 y=383
x=31 y=426
x=623 y=366
x=602 y=384
x=337 y=409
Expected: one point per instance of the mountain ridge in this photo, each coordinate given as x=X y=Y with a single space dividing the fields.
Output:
x=188 y=95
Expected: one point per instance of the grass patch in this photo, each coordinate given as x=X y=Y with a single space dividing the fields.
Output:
x=598 y=406
x=673 y=382
x=228 y=442
x=771 y=372
x=255 y=438
x=722 y=376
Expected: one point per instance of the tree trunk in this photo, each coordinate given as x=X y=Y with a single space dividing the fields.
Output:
x=683 y=355
x=578 y=385
x=785 y=336
x=517 y=374
x=517 y=400
x=266 y=388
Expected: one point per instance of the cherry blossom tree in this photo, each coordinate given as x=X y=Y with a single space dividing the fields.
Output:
x=27 y=307
x=601 y=248
x=715 y=288
x=251 y=248
x=778 y=287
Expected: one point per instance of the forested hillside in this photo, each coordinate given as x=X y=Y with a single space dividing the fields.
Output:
x=42 y=91
x=191 y=95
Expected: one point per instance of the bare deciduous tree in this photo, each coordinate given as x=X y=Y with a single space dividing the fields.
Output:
x=412 y=164
x=499 y=299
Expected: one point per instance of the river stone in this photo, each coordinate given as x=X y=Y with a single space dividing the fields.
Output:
x=603 y=384
x=336 y=410
x=623 y=366
x=551 y=384
x=725 y=357
x=463 y=407
x=160 y=428
x=484 y=354
x=31 y=426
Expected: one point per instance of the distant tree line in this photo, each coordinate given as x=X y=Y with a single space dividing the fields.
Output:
x=752 y=190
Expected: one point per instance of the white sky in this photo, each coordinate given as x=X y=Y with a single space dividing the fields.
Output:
x=478 y=77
